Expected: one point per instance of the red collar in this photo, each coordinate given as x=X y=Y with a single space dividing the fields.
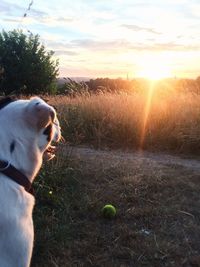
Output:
x=14 y=174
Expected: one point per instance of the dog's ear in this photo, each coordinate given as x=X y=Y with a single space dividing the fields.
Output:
x=39 y=113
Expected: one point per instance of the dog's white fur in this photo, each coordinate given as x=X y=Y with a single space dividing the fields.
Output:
x=22 y=122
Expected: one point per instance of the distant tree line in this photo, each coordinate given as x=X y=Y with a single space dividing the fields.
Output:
x=71 y=87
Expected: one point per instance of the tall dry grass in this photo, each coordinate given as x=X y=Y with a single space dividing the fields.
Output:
x=170 y=122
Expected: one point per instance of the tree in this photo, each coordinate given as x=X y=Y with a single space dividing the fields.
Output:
x=26 y=67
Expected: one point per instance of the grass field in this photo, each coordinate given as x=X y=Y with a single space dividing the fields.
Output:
x=154 y=120
x=158 y=215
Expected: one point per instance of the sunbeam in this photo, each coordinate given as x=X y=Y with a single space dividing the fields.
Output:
x=146 y=114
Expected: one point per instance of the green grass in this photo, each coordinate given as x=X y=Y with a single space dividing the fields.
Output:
x=59 y=193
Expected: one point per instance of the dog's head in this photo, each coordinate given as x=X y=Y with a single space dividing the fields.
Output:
x=28 y=128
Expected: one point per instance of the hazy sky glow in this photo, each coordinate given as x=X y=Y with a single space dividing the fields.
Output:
x=113 y=38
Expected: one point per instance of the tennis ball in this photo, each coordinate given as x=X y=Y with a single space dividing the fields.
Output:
x=109 y=211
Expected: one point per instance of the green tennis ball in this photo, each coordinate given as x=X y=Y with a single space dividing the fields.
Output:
x=109 y=211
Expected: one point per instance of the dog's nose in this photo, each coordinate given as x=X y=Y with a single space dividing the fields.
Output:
x=52 y=115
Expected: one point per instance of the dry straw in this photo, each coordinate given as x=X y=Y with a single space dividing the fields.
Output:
x=118 y=120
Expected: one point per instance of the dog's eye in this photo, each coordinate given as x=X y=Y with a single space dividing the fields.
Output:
x=12 y=146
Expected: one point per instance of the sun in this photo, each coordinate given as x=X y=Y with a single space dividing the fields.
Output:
x=154 y=70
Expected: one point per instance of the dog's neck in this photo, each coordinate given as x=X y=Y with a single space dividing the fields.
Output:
x=33 y=162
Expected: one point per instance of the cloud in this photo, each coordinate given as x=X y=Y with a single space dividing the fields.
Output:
x=11 y=20
x=123 y=45
x=164 y=47
x=14 y=13
x=91 y=44
x=56 y=45
x=43 y=19
x=9 y=9
x=55 y=21
x=4 y=7
x=37 y=13
x=65 y=53
x=139 y=28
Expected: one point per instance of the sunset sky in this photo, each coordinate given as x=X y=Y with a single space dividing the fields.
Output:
x=113 y=38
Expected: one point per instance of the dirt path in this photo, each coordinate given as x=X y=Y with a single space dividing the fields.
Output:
x=141 y=158
x=158 y=203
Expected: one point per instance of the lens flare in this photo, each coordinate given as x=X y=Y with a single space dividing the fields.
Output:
x=147 y=111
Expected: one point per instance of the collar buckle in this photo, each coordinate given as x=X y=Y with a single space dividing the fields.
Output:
x=2 y=167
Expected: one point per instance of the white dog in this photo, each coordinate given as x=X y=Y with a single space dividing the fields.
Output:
x=27 y=128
